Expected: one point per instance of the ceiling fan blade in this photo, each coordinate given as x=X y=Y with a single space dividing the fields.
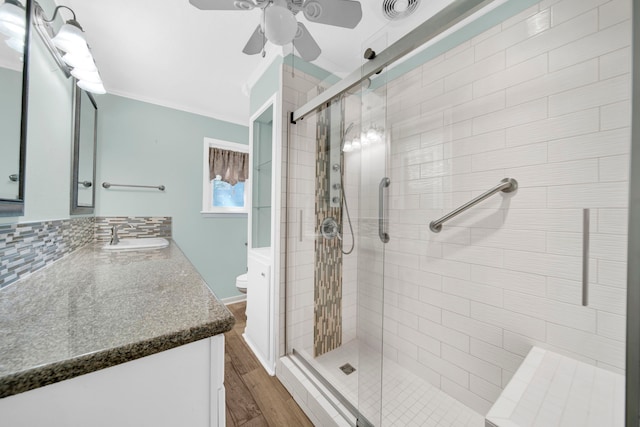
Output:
x=256 y=42
x=305 y=44
x=340 y=13
x=223 y=4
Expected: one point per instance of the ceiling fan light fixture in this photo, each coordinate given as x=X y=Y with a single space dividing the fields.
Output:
x=280 y=24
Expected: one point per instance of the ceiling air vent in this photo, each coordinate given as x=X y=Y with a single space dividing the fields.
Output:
x=394 y=10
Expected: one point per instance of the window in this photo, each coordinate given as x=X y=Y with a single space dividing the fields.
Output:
x=225 y=178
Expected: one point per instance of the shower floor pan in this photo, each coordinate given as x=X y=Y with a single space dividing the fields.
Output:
x=408 y=399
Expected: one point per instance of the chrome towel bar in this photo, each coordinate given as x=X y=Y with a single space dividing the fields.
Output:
x=107 y=185
x=507 y=185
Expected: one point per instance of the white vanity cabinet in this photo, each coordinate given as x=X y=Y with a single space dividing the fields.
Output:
x=182 y=386
x=259 y=330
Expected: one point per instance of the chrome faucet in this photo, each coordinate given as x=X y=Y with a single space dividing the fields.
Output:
x=114 y=234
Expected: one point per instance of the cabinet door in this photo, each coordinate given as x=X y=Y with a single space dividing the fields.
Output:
x=177 y=387
x=258 y=329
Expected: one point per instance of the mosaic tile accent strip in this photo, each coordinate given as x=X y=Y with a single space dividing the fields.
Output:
x=133 y=227
x=28 y=247
x=327 y=294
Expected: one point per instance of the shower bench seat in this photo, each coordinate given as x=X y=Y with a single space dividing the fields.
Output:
x=551 y=389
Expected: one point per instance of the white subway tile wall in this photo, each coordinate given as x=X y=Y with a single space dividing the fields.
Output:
x=545 y=99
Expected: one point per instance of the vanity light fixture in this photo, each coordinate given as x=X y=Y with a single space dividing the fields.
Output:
x=13 y=24
x=70 y=49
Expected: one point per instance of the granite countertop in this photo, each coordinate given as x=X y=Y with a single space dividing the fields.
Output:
x=94 y=309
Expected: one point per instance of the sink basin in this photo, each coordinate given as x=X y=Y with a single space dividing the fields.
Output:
x=138 y=244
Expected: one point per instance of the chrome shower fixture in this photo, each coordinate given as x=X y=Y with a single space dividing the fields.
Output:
x=329 y=228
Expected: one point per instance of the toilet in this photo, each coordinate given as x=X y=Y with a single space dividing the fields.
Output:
x=241 y=283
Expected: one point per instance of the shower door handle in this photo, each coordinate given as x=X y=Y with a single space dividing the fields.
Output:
x=384 y=183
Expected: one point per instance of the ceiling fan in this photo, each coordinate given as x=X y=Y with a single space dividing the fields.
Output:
x=279 y=24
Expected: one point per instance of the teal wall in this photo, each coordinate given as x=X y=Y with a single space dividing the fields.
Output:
x=266 y=86
x=269 y=82
x=141 y=143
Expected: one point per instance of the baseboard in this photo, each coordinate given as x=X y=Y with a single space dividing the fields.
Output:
x=233 y=300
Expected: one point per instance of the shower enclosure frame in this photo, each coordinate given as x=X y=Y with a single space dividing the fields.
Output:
x=448 y=17
x=440 y=23
x=633 y=254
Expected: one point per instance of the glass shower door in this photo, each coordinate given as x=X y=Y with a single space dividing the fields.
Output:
x=369 y=146
x=335 y=251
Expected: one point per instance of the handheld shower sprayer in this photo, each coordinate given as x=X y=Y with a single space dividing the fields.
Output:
x=344 y=135
x=344 y=197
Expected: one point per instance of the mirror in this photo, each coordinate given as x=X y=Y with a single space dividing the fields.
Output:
x=15 y=23
x=83 y=159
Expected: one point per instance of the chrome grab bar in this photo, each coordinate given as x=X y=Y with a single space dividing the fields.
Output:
x=384 y=183
x=85 y=184
x=507 y=185
x=107 y=185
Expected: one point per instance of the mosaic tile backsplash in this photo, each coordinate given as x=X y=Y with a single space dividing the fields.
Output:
x=133 y=227
x=28 y=247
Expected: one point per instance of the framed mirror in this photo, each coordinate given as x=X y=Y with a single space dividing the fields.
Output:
x=83 y=158
x=15 y=24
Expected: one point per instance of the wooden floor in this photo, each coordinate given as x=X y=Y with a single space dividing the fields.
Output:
x=254 y=398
